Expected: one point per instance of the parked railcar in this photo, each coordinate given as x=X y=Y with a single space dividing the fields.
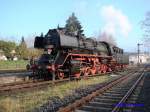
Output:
x=75 y=56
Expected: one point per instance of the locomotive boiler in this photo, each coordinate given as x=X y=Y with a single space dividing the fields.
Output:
x=75 y=56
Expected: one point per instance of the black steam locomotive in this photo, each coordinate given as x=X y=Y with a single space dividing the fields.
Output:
x=75 y=56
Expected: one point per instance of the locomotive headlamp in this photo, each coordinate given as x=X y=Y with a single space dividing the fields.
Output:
x=39 y=67
x=49 y=50
x=51 y=61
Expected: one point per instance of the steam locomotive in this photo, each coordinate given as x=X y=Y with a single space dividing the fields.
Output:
x=75 y=56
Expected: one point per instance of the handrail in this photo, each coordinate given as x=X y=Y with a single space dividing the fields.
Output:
x=69 y=54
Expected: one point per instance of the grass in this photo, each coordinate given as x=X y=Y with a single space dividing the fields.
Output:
x=26 y=102
x=13 y=65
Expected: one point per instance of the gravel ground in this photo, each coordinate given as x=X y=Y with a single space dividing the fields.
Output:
x=55 y=103
x=144 y=96
x=13 y=77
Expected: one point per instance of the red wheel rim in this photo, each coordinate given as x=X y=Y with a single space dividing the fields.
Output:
x=60 y=75
x=93 y=71
x=77 y=75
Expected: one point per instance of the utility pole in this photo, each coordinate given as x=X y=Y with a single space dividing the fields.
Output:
x=139 y=52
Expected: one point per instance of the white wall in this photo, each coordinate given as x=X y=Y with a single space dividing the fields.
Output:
x=142 y=57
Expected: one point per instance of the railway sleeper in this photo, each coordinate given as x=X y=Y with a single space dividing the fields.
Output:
x=133 y=101
x=94 y=109
x=114 y=90
x=114 y=93
x=80 y=111
x=119 y=89
x=101 y=104
x=110 y=97
x=122 y=87
x=104 y=100
x=134 y=96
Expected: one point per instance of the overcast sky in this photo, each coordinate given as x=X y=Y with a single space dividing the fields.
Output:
x=120 y=18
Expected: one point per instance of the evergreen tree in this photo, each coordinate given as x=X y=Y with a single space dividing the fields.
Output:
x=23 y=43
x=22 y=50
x=73 y=26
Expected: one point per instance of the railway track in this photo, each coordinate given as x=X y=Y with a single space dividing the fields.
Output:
x=118 y=95
x=21 y=85
x=24 y=85
x=9 y=88
x=13 y=87
x=20 y=73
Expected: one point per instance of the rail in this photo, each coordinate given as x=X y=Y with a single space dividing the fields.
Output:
x=126 y=96
x=84 y=100
x=29 y=84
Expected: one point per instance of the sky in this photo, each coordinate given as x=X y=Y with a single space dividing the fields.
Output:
x=120 y=18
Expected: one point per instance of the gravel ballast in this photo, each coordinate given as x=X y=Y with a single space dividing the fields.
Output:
x=55 y=103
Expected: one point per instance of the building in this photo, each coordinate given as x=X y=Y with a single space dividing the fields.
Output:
x=143 y=58
x=13 y=54
x=2 y=56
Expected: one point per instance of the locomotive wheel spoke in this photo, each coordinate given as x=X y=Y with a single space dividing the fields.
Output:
x=77 y=75
x=109 y=69
x=105 y=69
x=100 y=69
x=60 y=75
x=87 y=72
x=93 y=71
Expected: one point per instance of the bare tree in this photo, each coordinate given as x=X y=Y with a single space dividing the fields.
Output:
x=145 y=26
x=107 y=38
x=30 y=40
x=146 y=23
